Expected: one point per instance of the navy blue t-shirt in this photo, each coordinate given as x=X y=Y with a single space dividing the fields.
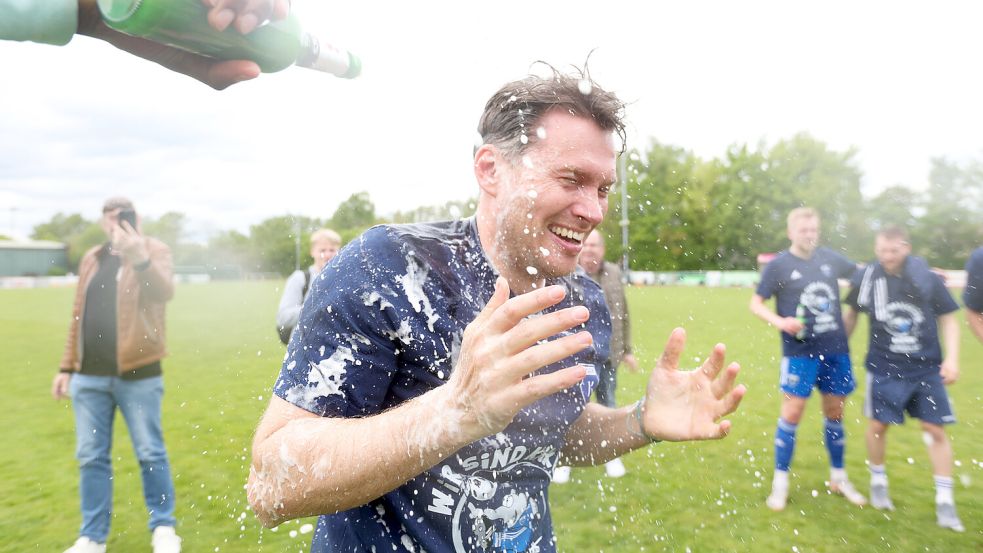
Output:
x=384 y=324
x=903 y=311
x=813 y=283
x=973 y=293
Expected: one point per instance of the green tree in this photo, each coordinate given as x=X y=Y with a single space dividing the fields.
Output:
x=950 y=226
x=168 y=228
x=893 y=206
x=455 y=209
x=353 y=216
x=273 y=242
x=61 y=227
x=812 y=174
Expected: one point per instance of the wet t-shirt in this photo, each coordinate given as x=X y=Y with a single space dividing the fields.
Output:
x=384 y=324
x=811 y=283
x=904 y=334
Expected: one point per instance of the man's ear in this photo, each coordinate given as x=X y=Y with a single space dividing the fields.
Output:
x=489 y=168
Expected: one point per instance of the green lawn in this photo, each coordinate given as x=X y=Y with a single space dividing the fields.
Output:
x=676 y=497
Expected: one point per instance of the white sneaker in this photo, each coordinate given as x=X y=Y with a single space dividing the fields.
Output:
x=777 y=499
x=879 y=497
x=165 y=540
x=561 y=475
x=85 y=545
x=846 y=489
x=947 y=518
x=615 y=468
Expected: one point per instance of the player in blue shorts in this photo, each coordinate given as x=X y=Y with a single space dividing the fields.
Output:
x=973 y=293
x=906 y=304
x=803 y=280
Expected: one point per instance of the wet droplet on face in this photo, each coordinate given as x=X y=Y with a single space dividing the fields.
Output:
x=532 y=270
x=541 y=133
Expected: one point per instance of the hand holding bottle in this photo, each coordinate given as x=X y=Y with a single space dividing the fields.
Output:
x=244 y=15
x=218 y=74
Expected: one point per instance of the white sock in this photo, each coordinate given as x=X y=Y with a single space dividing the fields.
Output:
x=943 y=490
x=780 y=480
x=878 y=475
x=837 y=475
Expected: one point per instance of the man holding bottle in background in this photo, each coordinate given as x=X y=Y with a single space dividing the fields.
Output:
x=803 y=280
x=57 y=21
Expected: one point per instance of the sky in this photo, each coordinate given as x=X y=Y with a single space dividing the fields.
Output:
x=898 y=81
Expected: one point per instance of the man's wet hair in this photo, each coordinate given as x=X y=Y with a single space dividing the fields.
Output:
x=516 y=109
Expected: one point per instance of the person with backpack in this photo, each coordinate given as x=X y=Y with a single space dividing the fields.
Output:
x=325 y=244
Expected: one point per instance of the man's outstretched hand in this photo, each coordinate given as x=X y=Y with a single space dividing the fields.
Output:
x=687 y=405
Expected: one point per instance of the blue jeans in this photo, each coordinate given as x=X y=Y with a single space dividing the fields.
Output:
x=94 y=400
x=607 y=383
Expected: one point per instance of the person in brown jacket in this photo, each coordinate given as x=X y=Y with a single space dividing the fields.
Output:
x=608 y=275
x=112 y=359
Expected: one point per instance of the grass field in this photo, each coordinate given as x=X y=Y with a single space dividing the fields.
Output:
x=676 y=497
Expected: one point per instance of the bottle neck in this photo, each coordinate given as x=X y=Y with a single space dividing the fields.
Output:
x=323 y=56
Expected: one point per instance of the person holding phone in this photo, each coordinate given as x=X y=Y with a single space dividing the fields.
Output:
x=112 y=360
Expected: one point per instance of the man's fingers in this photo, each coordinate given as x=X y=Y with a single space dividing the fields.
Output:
x=544 y=354
x=499 y=297
x=732 y=400
x=536 y=388
x=530 y=331
x=722 y=385
x=673 y=350
x=520 y=307
x=713 y=364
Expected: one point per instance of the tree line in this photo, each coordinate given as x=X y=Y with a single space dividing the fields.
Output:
x=687 y=213
x=684 y=213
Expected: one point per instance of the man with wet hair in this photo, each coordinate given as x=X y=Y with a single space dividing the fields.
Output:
x=446 y=369
x=803 y=280
x=906 y=304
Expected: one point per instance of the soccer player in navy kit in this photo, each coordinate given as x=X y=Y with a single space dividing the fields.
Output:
x=973 y=293
x=906 y=304
x=803 y=280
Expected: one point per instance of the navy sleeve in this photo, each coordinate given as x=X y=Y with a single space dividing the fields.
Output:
x=942 y=301
x=854 y=294
x=342 y=359
x=973 y=293
x=769 y=284
x=845 y=268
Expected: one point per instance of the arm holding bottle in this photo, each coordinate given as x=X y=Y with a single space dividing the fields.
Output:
x=57 y=21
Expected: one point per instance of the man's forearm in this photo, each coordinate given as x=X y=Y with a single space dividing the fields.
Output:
x=975 y=320
x=314 y=465
x=950 y=332
x=760 y=310
x=601 y=434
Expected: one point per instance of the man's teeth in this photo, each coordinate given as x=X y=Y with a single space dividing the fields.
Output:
x=567 y=233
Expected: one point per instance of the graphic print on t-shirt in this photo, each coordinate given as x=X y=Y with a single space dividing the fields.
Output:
x=903 y=322
x=490 y=508
x=820 y=299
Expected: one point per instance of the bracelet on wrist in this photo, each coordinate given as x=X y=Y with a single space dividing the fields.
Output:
x=636 y=416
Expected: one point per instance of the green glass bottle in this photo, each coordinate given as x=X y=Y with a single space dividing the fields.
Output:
x=800 y=314
x=183 y=24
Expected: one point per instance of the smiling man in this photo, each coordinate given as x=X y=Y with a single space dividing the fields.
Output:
x=438 y=379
